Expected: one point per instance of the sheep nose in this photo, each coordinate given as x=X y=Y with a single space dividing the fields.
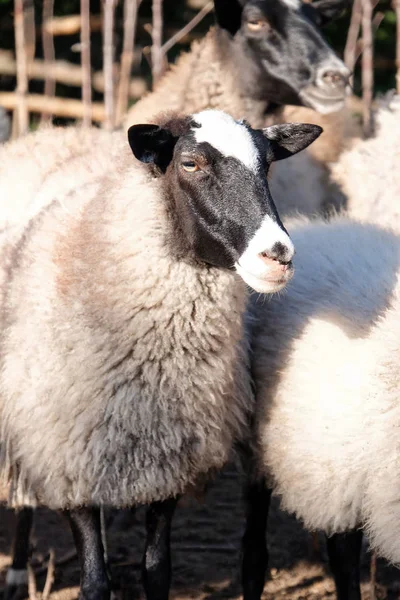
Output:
x=279 y=253
x=335 y=77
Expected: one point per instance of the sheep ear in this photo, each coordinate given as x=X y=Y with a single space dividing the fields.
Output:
x=152 y=144
x=285 y=140
x=328 y=10
x=229 y=14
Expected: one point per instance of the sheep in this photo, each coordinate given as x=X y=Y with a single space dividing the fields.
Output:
x=256 y=60
x=55 y=162
x=207 y=77
x=141 y=385
x=324 y=361
x=368 y=172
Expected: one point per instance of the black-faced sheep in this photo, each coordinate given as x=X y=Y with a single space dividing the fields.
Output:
x=222 y=71
x=135 y=289
x=326 y=428
x=262 y=55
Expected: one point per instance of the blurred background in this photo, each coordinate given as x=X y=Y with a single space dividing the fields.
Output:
x=159 y=31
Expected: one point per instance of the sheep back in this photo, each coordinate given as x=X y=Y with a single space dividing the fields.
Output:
x=325 y=365
x=48 y=164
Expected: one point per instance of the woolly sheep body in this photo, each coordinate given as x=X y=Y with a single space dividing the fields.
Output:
x=325 y=365
x=369 y=171
x=177 y=349
x=47 y=165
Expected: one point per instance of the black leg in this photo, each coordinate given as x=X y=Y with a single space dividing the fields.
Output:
x=156 y=567
x=344 y=551
x=254 y=545
x=86 y=530
x=18 y=572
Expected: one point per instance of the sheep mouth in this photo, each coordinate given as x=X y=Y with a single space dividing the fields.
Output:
x=267 y=283
x=322 y=102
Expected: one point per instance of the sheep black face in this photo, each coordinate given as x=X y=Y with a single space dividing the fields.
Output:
x=280 y=53
x=214 y=171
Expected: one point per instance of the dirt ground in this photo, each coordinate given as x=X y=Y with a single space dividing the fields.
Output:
x=206 y=552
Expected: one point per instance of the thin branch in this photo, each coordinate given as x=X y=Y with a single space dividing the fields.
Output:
x=397 y=9
x=62 y=107
x=71 y=24
x=130 y=17
x=86 y=64
x=49 y=577
x=68 y=557
x=350 y=51
x=21 y=112
x=30 y=30
x=157 y=56
x=48 y=54
x=108 y=61
x=188 y=28
x=376 y=22
x=367 y=66
x=32 y=590
x=66 y=73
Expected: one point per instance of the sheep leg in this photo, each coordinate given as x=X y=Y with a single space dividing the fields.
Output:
x=18 y=572
x=254 y=547
x=86 y=530
x=344 y=550
x=156 y=566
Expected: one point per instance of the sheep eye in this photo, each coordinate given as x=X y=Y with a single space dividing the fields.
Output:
x=190 y=166
x=257 y=25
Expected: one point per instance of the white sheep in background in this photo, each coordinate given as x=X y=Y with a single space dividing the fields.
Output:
x=123 y=378
x=369 y=171
x=325 y=363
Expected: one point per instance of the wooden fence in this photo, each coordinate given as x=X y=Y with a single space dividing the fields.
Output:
x=115 y=81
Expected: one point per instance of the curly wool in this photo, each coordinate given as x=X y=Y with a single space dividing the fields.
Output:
x=369 y=172
x=49 y=164
x=118 y=386
x=325 y=363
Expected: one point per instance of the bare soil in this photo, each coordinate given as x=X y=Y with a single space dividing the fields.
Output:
x=206 y=552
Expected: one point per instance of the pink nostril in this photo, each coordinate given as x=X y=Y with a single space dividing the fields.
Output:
x=335 y=77
x=271 y=259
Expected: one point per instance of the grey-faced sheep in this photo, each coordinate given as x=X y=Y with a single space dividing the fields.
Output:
x=325 y=362
x=260 y=56
x=134 y=292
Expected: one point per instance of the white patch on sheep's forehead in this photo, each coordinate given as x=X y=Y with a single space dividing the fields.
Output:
x=293 y=4
x=250 y=265
x=226 y=135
